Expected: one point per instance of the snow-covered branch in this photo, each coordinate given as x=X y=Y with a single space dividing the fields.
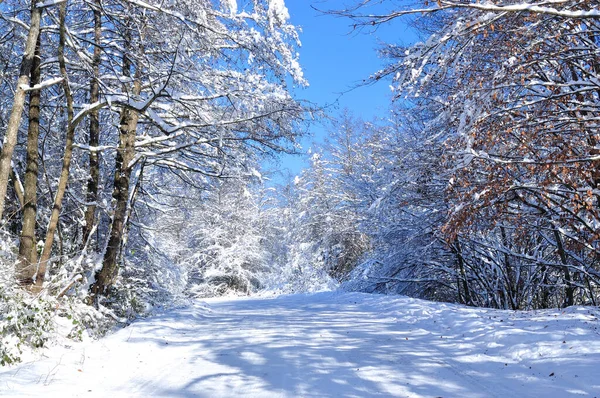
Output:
x=43 y=85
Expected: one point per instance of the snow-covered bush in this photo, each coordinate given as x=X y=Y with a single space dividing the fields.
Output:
x=29 y=322
x=321 y=228
x=149 y=280
x=24 y=322
x=213 y=240
x=303 y=272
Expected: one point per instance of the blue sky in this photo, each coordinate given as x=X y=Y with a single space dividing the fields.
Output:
x=335 y=60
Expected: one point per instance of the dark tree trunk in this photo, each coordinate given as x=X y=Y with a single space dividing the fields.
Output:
x=511 y=280
x=569 y=289
x=14 y=122
x=68 y=155
x=27 y=265
x=125 y=154
x=463 y=276
x=94 y=139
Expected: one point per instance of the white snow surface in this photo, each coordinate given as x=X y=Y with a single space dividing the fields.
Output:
x=329 y=344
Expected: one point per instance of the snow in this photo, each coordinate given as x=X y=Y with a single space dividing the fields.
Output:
x=329 y=344
x=42 y=85
x=49 y=3
x=575 y=14
x=230 y=5
x=278 y=11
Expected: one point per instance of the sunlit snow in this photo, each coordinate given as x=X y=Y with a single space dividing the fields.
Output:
x=327 y=345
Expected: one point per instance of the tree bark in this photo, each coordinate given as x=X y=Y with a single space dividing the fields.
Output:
x=17 y=186
x=14 y=122
x=125 y=154
x=94 y=139
x=26 y=267
x=132 y=197
x=512 y=283
x=463 y=274
x=569 y=289
x=64 y=175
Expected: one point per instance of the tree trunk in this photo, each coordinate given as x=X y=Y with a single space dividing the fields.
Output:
x=26 y=267
x=512 y=283
x=463 y=275
x=125 y=154
x=17 y=186
x=14 y=122
x=569 y=289
x=132 y=197
x=64 y=174
x=94 y=139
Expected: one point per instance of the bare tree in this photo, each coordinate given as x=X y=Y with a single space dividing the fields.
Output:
x=10 y=135
x=27 y=266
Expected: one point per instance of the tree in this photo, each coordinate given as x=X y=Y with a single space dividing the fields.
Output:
x=27 y=267
x=213 y=106
x=22 y=85
x=514 y=101
x=193 y=88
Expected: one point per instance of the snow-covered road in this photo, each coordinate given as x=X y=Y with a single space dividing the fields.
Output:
x=328 y=345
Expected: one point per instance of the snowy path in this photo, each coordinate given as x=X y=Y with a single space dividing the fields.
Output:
x=328 y=345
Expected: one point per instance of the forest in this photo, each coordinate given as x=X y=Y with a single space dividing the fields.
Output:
x=136 y=133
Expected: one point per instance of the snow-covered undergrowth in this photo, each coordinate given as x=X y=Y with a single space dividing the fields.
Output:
x=58 y=315
x=29 y=324
x=330 y=344
x=24 y=323
x=149 y=282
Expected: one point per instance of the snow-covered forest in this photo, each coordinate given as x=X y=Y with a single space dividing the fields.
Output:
x=136 y=135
